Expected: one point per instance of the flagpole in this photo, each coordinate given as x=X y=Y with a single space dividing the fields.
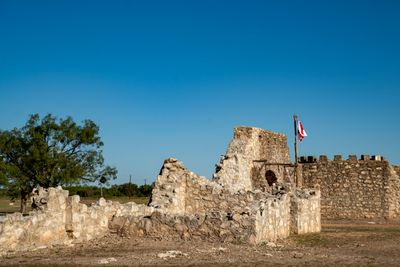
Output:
x=296 y=150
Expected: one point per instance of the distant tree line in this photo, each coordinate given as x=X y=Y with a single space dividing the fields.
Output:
x=121 y=190
x=118 y=190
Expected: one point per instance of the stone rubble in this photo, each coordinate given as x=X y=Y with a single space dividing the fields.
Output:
x=171 y=254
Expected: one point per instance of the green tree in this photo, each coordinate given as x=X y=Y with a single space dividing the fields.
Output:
x=50 y=152
x=145 y=190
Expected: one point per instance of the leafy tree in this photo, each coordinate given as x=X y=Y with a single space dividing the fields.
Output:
x=128 y=189
x=50 y=152
x=146 y=189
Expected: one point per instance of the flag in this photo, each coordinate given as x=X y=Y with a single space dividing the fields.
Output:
x=301 y=132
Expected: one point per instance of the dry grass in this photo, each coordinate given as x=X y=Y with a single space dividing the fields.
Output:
x=347 y=244
x=5 y=206
x=310 y=240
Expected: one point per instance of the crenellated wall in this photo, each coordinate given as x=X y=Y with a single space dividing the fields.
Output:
x=352 y=188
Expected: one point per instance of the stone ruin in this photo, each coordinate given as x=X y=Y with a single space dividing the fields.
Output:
x=251 y=198
x=59 y=219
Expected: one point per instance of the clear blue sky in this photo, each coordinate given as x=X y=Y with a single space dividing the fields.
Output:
x=172 y=78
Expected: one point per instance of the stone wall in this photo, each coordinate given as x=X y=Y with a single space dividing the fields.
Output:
x=249 y=144
x=354 y=189
x=265 y=220
x=222 y=213
x=272 y=219
x=305 y=211
x=264 y=175
x=41 y=228
x=393 y=196
x=178 y=191
x=397 y=169
x=60 y=220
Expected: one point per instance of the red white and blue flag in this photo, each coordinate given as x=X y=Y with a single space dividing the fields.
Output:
x=301 y=132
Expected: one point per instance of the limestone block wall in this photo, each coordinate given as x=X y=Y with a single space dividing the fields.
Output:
x=397 y=169
x=264 y=220
x=60 y=219
x=260 y=215
x=305 y=211
x=354 y=189
x=41 y=228
x=234 y=172
x=213 y=226
x=393 y=196
x=278 y=173
x=272 y=219
x=180 y=191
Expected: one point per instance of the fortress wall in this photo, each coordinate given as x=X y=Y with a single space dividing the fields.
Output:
x=393 y=173
x=353 y=188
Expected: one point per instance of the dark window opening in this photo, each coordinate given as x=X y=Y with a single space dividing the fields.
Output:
x=271 y=177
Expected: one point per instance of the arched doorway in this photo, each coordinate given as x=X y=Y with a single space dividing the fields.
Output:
x=270 y=177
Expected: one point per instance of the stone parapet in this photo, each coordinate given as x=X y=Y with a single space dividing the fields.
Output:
x=324 y=158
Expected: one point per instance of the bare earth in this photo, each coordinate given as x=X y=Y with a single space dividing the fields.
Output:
x=339 y=244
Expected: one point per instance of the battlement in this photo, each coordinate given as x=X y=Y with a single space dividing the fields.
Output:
x=350 y=158
x=364 y=187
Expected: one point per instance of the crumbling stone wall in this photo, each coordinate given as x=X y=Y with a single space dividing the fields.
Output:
x=236 y=170
x=235 y=205
x=39 y=229
x=352 y=188
x=60 y=220
x=264 y=175
x=268 y=219
x=260 y=215
x=178 y=191
x=397 y=170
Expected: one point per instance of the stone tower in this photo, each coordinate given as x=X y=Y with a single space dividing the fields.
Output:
x=255 y=159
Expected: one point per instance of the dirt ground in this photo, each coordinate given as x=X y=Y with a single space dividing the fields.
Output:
x=339 y=244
